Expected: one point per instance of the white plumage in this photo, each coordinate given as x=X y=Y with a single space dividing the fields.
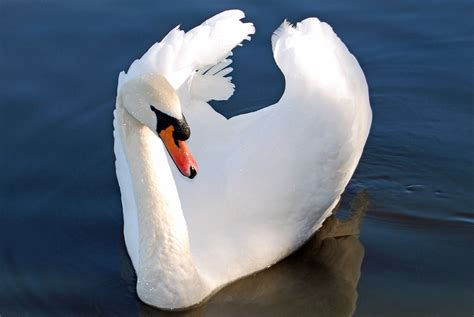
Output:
x=267 y=179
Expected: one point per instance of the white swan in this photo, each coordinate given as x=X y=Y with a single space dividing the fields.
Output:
x=266 y=180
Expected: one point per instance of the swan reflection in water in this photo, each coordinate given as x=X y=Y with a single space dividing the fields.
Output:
x=319 y=279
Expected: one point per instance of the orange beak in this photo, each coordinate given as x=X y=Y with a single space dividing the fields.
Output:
x=179 y=152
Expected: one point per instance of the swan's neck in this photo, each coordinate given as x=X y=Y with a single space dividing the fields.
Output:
x=166 y=273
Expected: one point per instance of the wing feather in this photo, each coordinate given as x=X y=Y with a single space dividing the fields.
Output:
x=197 y=58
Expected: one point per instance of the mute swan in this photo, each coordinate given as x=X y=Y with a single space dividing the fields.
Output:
x=266 y=180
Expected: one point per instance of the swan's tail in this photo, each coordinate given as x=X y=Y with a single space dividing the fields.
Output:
x=200 y=54
x=312 y=57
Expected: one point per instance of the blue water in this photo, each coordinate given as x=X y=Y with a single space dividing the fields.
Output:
x=61 y=246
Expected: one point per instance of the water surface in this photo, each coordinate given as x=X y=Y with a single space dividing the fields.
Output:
x=61 y=245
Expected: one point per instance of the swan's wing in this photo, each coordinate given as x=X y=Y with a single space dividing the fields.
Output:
x=212 y=43
x=311 y=55
x=317 y=64
x=302 y=151
x=198 y=55
x=211 y=82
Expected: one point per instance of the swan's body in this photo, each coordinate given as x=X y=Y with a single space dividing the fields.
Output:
x=267 y=179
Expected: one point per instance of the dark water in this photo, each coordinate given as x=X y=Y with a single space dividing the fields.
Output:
x=61 y=246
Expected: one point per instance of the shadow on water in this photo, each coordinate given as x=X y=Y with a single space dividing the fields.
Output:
x=320 y=278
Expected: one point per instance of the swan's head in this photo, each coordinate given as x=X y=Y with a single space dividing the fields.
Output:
x=152 y=100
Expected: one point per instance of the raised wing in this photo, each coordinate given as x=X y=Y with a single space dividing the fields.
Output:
x=196 y=58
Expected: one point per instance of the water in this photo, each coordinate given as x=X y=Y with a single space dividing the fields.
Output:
x=61 y=245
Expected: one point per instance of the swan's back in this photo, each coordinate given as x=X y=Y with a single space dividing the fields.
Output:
x=255 y=202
